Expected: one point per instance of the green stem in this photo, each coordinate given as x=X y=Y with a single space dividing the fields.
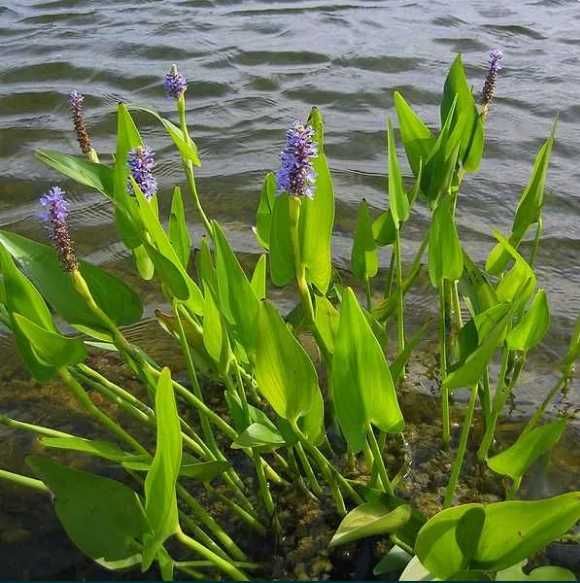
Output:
x=30 y=427
x=462 y=448
x=445 y=416
x=400 y=294
x=310 y=476
x=368 y=294
x=21 y=480
x=85 y=401
x=379 y=462
x=220 y=563
x=537 y=238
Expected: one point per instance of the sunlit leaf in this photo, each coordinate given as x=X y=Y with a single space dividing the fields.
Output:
x=364 y=256
x=533 y=326
x=265 y=209
x=547 y=573
x=178 y=230
x=258 y=281
x=398 y=201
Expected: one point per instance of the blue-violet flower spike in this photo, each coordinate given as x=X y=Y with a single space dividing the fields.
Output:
x=296 y=175
x=75 y=100
x=175 y=83
x=488 y=91
x=141 y=163
x=56 y=209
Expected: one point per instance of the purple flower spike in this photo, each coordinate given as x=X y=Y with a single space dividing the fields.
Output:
x=296 y=175
x=488 y=91
x=75 y=100
x=175 y=83
x=141 y=163
x=56 y=209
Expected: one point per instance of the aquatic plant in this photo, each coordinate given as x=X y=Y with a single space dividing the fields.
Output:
x=180 y=453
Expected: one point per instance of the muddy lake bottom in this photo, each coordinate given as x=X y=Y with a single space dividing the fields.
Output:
x=34 y=546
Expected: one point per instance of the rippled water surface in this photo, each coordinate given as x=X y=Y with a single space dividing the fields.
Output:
x=256 y=66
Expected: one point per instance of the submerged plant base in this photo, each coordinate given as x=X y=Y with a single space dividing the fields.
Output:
x=29 y=528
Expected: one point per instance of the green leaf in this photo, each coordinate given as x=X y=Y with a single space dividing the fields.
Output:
x=477 y=287
x=160 y=496
x=415 y=571
x=547 y=573
x=215 y=337
x=103 y=518
x=178 y=230
x=470 y=370
x=512 y=531
x=119 y=301
x=398 y=201
x=467 y=126
x=393 y=562
x=258 y=281
x=370 y=519
x=265 y=210
x=417 y=137
x=259 y=436
x=515 y=460
x=237 y=300
x=186 y=147
x=103 y=449
x=364 y=257
x=96 y=176
x=362 y=387
x=317 y=215
x=204 y=471
x=50 y=347
x=205 y=265
x=128 y=139
x=284 y=372
x=327 y=318
x=445 y=253
x=533 y=326
x=282 y=268
x=169 y=274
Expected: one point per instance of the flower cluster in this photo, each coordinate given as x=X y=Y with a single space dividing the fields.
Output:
x=141 y=163
x=56 y=209
x=175 y=83
x=296 y=175
x=75 y=100
x=488 y=91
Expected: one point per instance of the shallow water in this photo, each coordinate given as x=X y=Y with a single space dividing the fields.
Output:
x=255 y=66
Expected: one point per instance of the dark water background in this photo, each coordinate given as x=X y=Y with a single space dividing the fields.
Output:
x=253 y=68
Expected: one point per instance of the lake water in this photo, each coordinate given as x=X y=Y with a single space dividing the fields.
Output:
x=254 y=67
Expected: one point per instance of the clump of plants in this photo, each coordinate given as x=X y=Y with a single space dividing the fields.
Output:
x=269 y=434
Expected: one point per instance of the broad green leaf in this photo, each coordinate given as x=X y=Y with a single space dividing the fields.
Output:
x=477 y=287
x=145 y=266
x=317 y=215
x=258 y=281
x=445 y=253
x=282 y=262
x=533 y=326
x=468 y=125
x=23 y=298
x=238 y=415
x=103 y=518
x=119 y=301
x=237 y=300
x=394 y=561
x=415 y=571
x=327 y=318
x=470 y=370
x=160 y=496
x=547 y=573
x=516 y=459
x=96 y=176
x=529 y=207
x=169 y=273
x=284 y=372
x=370 y=519
x=185 y=144
x=364 y=257
x=178 y=230
x=259 y=436
x=201 y=471
x=398 y=201
x=215 y=337
x=512 y=531
x=265 y=209
x=103 y=449
x=417 y=137
x=362 y=387
x=205 y=265
x=51 y=348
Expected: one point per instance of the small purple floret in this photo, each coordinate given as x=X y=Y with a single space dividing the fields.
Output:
x=495 y=57
x=488 y=91
x=141 y=162
x=56 y=209
x=296 y=175
x=175 y=83
x=75 y=100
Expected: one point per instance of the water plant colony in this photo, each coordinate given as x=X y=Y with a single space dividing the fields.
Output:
x=175 y=453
